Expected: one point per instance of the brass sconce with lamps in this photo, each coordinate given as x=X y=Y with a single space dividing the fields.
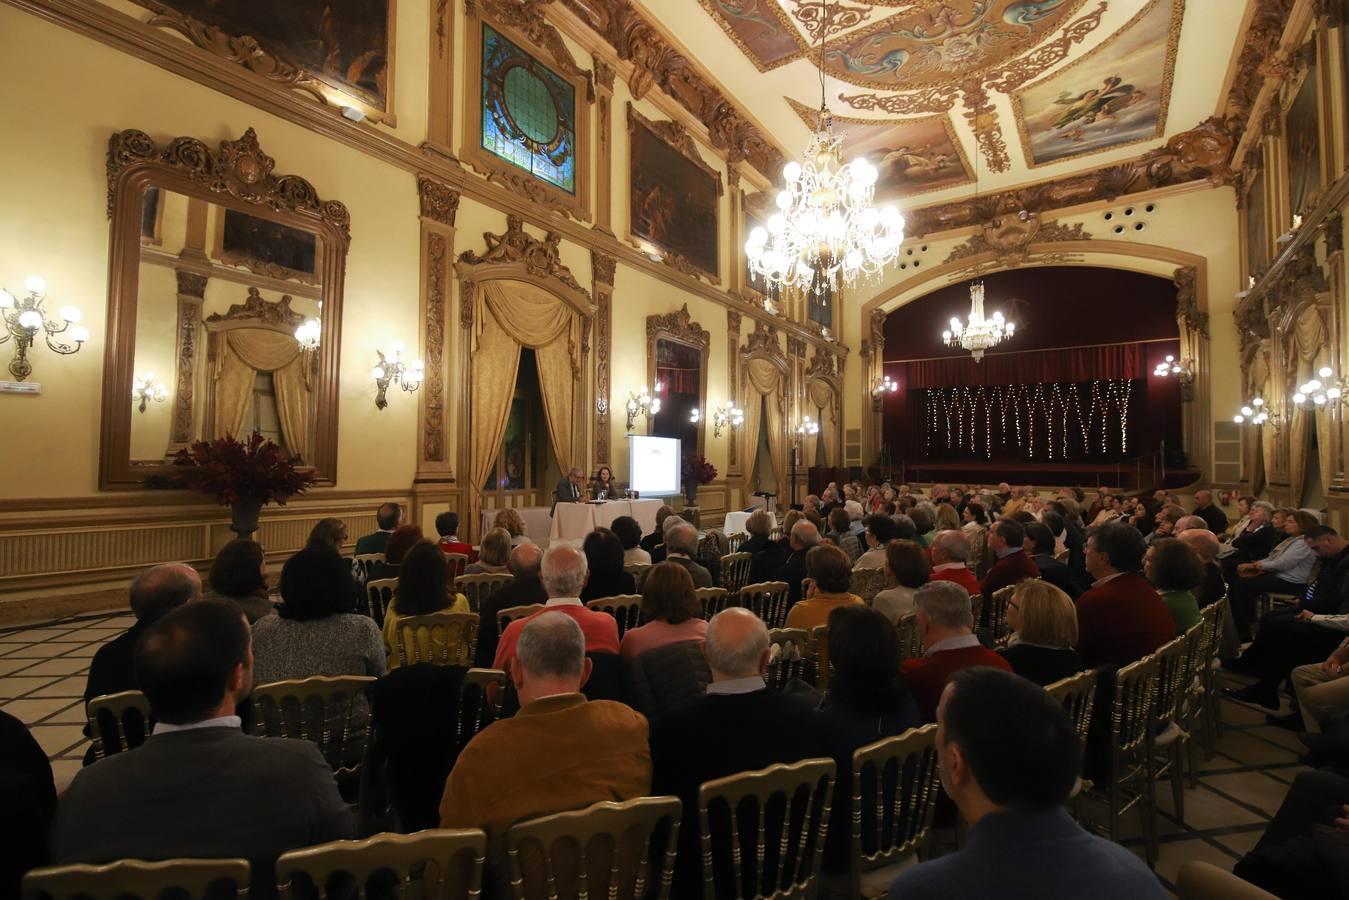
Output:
x=886 y=385
x=25 y=317
x=642 y=403
x=392 y=370
x=723 y=417
x=144 y=389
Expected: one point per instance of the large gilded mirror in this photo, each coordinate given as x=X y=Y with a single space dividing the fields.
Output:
x=225 y=297
x=676 y=354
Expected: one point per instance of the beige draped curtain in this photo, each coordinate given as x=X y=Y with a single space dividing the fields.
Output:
x=822 y=398
x=510 y=315
x=765 y=380
x=242 y=354
x=1309 y=351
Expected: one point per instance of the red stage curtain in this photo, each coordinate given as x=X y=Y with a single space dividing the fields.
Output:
x=1074 y=365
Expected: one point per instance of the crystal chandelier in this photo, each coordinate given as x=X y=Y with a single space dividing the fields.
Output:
x=825 y=222
x=979 y=333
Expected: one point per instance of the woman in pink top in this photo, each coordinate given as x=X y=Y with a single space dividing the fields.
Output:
x=671 y=610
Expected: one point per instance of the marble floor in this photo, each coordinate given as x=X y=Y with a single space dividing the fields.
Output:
x=43 y=668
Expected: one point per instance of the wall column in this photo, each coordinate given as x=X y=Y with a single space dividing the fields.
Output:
x=604 y=184
x=602 y=267
x=191 y=296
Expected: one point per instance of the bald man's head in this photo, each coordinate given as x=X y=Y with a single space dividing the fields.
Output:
x=1204 y=542
x=163 y=588
x=736 y=645
x=525 y=560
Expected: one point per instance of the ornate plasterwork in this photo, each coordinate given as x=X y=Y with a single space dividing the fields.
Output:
x=763 y=341
x=602 y=271
x=983 y=119
x=258 y=310
x=1010 y=237
x=603 y=267
x=527 y=16
x=191 y=291
x=1186 y=280
x=438 y=201
x=238 y=168
x=678 y=137
x=191 y=284
x=818 y=17
x=539 y=258
x=680 y=326
x=823 y=365
x=1262 y=38
x=433 y=430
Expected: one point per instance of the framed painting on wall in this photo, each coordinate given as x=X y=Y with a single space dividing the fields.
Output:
x=674 y=195
x=1302 y=132
x=345 y=45
x=267 y=247
x=1257 y=233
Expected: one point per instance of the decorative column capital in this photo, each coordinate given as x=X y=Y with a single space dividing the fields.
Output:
x=439 y=202
x=191 y=284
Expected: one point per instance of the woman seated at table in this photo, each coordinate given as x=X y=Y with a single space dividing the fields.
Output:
x=514 y=523
x=604 y=559
x=603 y=487
x=495 y=553
x=670 y=606
x=424 y=588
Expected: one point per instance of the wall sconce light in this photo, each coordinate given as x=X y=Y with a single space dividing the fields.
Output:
x=392 y=369
x=886 y=385
x=1319 y=392
x=1253 y=412
x=144 y=388
x=643 y=404
x=308 y=333
x=25 y=318
x=1183 y=370
x=808 y=426
x=732 y=416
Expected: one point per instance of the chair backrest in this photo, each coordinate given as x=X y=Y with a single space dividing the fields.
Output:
x=491 y=685
x=1173 y=671
x=328 y=710
x=819 y=654
x=118 y=722
x=1204 y=881
x=712 y=546
x=767 y=600
x=1214 y=617
x=1131 y=713
x=1077 y=694
x=791 y=657
x=605 y=850
x=636 y=570
x=776 y=533
x=894 y=781
x=137 y=878
x=435 y=863
x=456 y=563
x=477 y=588
x=761 y=806
x=511 y=613
x=625 y=608
x=735 y=570
x=910 y=641
x=441 y=638
x=867 y=583
x=994 y=614
x=381 y=592
x=713 y=600
x=362 y=562
x=735 y=540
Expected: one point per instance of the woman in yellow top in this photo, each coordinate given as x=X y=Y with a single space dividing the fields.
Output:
x=424 y=588
x=830 y=571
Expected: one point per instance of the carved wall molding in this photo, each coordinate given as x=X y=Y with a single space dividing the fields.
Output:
x=827 y=19
x=823 y=365
x=515 y=246
x=656 y=63
x=602 y=272
x=438 y=201
x=680 y=326
x=602 y=267
x=1263 y=36
x=733 y=321
x=188 y=333
x=255 y=310
x=433 y=385
x=1188 y=312
x=678 y=137
x=983 y=119
x=1010 y=237
x=191 y=284
x=763 y=341
x=528 y=17
x=238 y=168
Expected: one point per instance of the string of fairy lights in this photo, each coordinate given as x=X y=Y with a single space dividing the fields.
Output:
x=1041 y=416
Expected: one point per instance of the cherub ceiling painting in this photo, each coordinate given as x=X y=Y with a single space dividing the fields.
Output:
x=1117 y=94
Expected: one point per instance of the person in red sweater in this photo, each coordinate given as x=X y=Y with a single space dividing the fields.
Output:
x=447 y=526
x=946 y=625
x=950 y=553
x=563 y=575
x=1120 y=618
x=1007 y=540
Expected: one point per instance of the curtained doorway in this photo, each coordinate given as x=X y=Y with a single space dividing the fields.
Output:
x=764 y=477
x=525 y=469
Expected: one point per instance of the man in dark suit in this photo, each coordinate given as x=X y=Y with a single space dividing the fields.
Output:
x=388 y=517
x=523 y=591
x=1040 y=546
x=738 y=726
x=804 y=536
x=1007 y=542
x=1214 y=517
x=681 y=546
x=570 y=489
x=200 y=787
x=154 y=593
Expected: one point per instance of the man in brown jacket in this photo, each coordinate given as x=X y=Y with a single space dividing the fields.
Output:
x=544 y=759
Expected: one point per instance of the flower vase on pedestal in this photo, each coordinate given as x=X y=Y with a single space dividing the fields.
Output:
x=244 y=515
x=691 y=492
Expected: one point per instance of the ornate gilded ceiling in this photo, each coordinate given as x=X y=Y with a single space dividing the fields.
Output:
x=932 y=91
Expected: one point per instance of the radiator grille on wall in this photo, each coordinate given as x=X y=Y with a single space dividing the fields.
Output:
x=1227 y=451
x=854 y=448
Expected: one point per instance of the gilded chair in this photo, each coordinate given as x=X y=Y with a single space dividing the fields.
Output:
x=910 y=641
x=118 y=722
x=790 y=659
x=614 y=850
x=511 y=613
x=894 y=794
x=1209 y=708
x=784 y=809
x=636 y=570
x=381 y=592
x=456 y=563
x=625 y=608
x=134 y=878
x=435 y=864
x=1204 y=881
x=735 y=540
x=477 y=588
x=439 y=638
x=768 y=601
x=1167 y=737
x=867 y=583
x=362 y=562
x=735 y=571
x=713 y=600
x=1077 y=693
x=993 y=616
x=487 y=688
x=1126 y=785
x=331 y=711
x=776 y=533
x=819 y=654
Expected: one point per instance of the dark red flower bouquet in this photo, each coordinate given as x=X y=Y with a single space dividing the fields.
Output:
x=697 y=470
x=232 y=470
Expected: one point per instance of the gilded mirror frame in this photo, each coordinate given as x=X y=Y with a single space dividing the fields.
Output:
x=239 y=176
x=678 y=327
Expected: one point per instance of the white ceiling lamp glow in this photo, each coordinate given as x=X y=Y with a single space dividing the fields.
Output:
x=825 y=230
x=978 y=334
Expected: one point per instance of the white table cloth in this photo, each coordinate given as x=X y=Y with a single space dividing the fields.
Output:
x=537 y=521
x=735 y=522
x=573 y=521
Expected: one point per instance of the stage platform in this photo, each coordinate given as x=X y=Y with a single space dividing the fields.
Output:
x=1143 y=474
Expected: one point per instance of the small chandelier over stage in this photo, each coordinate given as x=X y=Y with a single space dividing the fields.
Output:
x=979 y=333
x=826 y=232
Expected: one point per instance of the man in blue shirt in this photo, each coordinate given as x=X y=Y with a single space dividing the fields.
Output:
x=1009 y=758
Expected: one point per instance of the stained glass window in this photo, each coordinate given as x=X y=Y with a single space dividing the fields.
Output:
x=528 y=112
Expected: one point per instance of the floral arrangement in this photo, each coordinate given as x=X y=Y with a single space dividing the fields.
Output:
x=698 y=470
x=232 y=470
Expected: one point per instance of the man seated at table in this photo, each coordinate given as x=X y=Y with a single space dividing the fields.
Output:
x=570 y=489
